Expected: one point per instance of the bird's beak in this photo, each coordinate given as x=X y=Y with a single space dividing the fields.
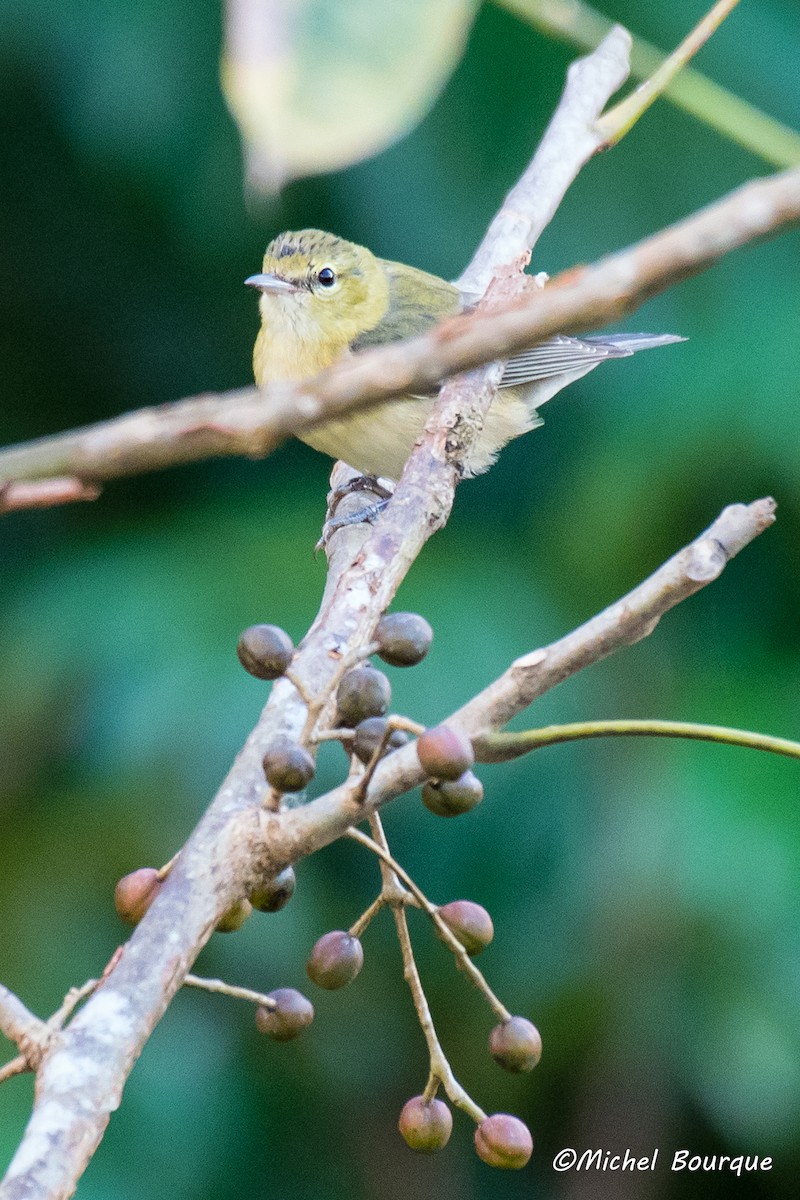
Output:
x=271 y=283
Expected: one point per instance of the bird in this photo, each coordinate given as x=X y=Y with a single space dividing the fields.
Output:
x=323 y=298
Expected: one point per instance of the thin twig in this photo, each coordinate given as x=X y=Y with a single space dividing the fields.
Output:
x=578 y=24
x=17 y=1066
x=358 y=927
x=71 y=1002
x=500 y=747
x=394 y=895
x=229 y=989
x=20 y=1025
x=615 y=123
x=45 y=493
x=465 y=963
x=439 y=1066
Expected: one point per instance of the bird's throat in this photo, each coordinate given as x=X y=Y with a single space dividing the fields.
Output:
x=286 y=355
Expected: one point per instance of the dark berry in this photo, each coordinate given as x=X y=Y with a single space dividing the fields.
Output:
x=426 y=1125
x=405 y=638
x=335 y=960
x=516 y=1044
x=265 y=651
x=369 y=735
x=288 y=766
x=291 y=1014
x=445 y=752
x=503 y=1141
x=470 y=923
x=363 y=692
x=134 y=893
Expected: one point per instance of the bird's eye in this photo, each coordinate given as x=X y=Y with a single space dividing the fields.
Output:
x=327 y=277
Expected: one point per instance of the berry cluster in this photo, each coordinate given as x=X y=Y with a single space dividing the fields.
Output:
x=369 y=732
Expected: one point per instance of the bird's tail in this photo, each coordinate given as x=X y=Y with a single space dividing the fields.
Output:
x=631 y=342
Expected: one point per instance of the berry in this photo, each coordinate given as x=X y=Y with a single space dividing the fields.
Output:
x=363 y=692
x=265 y=651
x=426 y=1125
x=276 y=893
x=451 y=797
x=503 y=1141
x=235 y=917
x=405 y=638
x=134 y=894
x=445 y=752
x=288 y=766
x=516 y=1044
x=470 y=923
x=369 y=734
x=291 y=1014
x=335 y=960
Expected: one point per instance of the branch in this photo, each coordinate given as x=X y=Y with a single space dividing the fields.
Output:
x=237 y=841
x=624 y=115
x=45 y=493
x=529 y=677
x=580 y=25
x=21 y=1026
x=249 y=423
x=500 y=747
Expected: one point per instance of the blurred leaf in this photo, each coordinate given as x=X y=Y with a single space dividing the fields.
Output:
x=316 y=85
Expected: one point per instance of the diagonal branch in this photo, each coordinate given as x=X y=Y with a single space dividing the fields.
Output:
x=583 y=27
x=237 y=841
x=248 y=423
x=621 y=624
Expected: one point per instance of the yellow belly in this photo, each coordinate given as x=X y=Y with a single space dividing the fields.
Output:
x=379 y=440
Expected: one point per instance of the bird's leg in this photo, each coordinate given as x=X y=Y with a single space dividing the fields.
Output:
x=359 y=483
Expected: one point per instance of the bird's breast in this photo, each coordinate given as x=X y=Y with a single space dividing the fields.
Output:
x=281 y=357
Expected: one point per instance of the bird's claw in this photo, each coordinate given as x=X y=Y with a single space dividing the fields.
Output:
x=362 y=515
x=359 y=483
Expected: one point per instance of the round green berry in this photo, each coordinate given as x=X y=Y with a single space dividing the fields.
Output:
x=276 y=893
x=235 y=917
x=452 y=797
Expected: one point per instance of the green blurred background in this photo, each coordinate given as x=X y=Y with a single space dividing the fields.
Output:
x=645 y=894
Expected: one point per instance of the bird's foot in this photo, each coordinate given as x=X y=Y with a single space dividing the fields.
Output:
x=359 y=483
x=367 y=514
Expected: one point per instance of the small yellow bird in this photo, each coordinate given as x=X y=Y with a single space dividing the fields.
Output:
x=323 y=297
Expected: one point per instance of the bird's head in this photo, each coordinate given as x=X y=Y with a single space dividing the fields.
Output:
x=320 y=288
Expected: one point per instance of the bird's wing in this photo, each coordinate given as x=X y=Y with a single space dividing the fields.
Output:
x=562 y=355
x=417 y=302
